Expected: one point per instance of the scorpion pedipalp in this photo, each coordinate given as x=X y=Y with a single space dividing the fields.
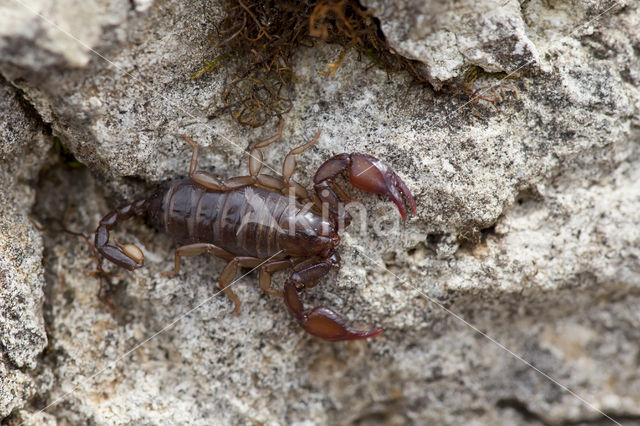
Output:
x=322 y=321
x=366 y=173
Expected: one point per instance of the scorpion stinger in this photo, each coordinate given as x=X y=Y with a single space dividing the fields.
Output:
x=128 y=256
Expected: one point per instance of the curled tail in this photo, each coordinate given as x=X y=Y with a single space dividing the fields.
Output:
x=128 y=256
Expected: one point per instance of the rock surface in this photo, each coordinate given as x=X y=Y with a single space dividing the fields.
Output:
x=449 y=37
x=22 y=335
x=527 y=233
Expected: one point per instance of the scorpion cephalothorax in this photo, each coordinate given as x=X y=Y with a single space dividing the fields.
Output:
x=262 y=221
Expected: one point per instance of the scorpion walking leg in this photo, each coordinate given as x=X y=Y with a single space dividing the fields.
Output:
x=289 y=166
x=207 y=179
x=195 y=250
x=229 y=273
x=255 y=156
x=320 y=321
x=284 y=184
x=255 y=164
x=264 y=276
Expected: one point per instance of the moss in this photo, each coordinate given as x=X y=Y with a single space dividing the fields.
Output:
x=491 y=94
x=260 y=38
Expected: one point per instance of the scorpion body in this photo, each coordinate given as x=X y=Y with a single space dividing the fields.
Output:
x=249 y=221
x=261 y=221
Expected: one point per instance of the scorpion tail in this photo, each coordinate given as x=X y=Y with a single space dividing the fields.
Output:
x=127 y=256
x=321 y=321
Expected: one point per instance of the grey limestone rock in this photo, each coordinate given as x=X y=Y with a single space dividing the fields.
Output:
x=525 y=248
x=449 y=37
x=22 y=335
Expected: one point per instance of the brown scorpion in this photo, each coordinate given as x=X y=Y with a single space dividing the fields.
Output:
x=262 y=221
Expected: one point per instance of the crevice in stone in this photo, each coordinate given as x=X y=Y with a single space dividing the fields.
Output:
x=471 y=239
x=521 y=408
x=529 y=195
x=527 y=414
x=29 y=110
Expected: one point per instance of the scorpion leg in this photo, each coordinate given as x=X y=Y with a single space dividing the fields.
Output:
x=207 y=179
x=285 y=184
x=320 y=321
x=264 y=276
x=195 y=250
x=229 y=273
x=255 y=156
x=366 y=173
x=289 y=166
x=255 y=165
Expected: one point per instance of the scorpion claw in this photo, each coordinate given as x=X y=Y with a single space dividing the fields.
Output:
x=366 y=173
x=372 y=175
x=327 y=324
x=321 y=321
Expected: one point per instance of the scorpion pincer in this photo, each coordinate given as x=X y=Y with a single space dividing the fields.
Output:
x=263 y=221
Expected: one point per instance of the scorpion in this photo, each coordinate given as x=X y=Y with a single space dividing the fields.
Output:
x=262 y=221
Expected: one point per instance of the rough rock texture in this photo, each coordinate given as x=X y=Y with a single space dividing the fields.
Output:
x=527 y=231
x=449 y=37
x=22 y=335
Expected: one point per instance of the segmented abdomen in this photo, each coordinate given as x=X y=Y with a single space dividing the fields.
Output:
x=245 y=221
